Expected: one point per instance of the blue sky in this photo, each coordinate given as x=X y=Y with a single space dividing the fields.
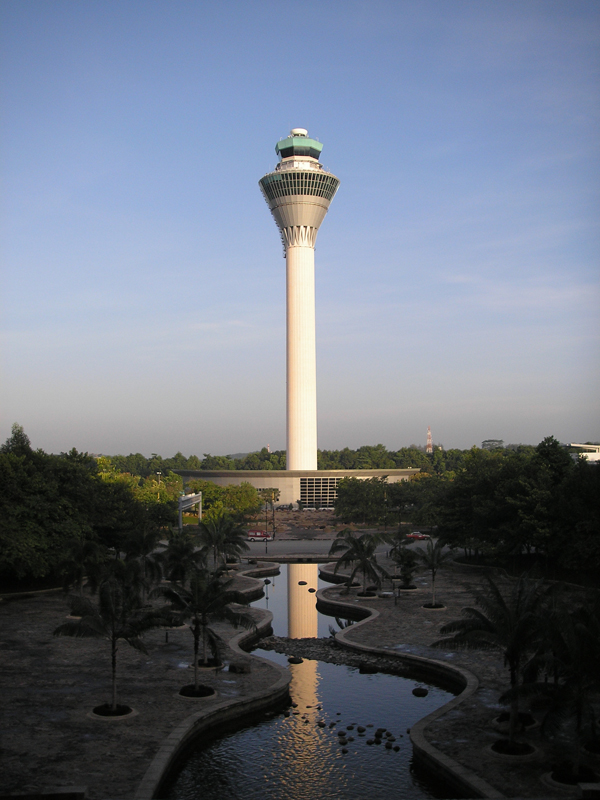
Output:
x=143 y=286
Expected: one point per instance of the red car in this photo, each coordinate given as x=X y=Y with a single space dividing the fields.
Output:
x=259 y=536
x=417 y=535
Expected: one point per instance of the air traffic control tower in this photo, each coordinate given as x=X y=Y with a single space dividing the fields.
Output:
x=298 y=192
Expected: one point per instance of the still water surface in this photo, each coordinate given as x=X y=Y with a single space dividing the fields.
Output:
x=279 y=756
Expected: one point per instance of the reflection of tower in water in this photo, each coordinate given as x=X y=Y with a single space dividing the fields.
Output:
x=303 y=624
x=302 y=605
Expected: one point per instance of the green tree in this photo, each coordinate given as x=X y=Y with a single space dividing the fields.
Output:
x=116 y=617
x=18 y=442
x=220 y=531
x=217 y=462
x=44 y=506
x=85 y=559
x=141 y=545
x=115 y=513
x=207 y=599
x=241 y=501
x=504 y=621
x=432 y=558
x=361 y=500
x=182 y=557
x=212 y=494
x=358 y=552
x=572 y=657
x=403 y=557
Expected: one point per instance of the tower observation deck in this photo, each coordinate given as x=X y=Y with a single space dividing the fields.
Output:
x=298 y=193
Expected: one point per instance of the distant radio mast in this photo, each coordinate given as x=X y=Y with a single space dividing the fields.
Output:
x=429 y=448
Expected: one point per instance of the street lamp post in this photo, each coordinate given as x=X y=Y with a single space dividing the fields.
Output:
x=158 y=493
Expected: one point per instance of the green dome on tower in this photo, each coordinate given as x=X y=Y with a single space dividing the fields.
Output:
x=298 y=143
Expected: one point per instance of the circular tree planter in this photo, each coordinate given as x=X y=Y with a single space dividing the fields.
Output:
x=105 y=713
x=434 y=607
x=512 y=751
x=525 y=722
x=211 y=664
x=563 y=774
x=560 y=788
x=592 y=749
x=369 y=595
x=203 y=692
x=563 y=780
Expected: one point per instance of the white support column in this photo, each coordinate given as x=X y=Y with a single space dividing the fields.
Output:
x=301 y=359
x=298 y=193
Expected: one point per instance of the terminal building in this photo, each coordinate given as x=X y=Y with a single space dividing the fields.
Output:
x=313 y=488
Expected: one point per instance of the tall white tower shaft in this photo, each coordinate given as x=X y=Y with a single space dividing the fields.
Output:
x=298 y=192
x=301 y=359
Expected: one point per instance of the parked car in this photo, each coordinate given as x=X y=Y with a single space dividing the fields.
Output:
x=259 y=536
x=417 y=535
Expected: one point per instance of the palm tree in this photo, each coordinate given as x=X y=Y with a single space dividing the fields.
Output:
x=116 y=616
x=570 y=653
x=85 y=559
x=206 y=599
x=402 y=557
x=360 y=552
x=182 y=557
x=140 y=545
x=432 y=559
x=505 y=622
x=221 y=531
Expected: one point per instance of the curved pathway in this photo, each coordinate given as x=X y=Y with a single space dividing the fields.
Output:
x=49 y=685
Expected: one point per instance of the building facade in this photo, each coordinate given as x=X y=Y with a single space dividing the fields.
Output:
x=314 y=488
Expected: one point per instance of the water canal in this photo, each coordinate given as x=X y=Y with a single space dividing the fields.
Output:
x=287 y=752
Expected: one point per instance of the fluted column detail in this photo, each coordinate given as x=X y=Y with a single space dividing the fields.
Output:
x=301 y=359
x=299 y=236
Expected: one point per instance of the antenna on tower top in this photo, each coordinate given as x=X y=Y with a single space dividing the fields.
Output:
x=429 y=448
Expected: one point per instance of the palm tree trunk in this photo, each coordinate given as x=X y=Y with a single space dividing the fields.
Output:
x=578 y=725
x=433 y=588
x=514 y=705
x=144 y=580
x=113 y=706
x=196 y=633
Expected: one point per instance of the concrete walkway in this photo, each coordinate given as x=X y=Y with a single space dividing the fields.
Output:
x=49 y=685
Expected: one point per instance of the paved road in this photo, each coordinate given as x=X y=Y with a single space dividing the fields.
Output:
x=289 y=546
x=295 y=546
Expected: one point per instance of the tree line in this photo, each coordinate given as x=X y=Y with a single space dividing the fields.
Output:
x=58 y=511
x=439 y=462
x=500 y=503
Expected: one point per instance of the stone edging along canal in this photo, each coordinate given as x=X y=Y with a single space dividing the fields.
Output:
x=448 y=770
